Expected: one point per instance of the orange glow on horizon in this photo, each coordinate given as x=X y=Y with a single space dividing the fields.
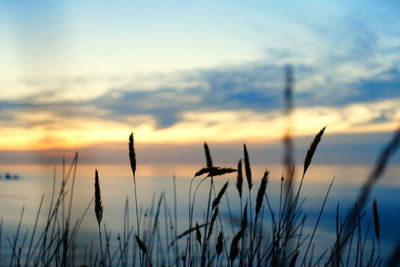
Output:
x=194 y=127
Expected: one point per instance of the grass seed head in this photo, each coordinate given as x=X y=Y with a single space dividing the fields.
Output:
x=220 y=244
x=198 y=233
x=217 y=200
x=141 y=245
x=239 y=180
x=247 y=167
x=98 y=206
x=311 y=150
x=376 y=219
x=208 y=155
x=132 y=154
x=261 y=191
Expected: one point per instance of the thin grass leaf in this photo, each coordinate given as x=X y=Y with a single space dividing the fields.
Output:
x=311 y=150
x=186 y=233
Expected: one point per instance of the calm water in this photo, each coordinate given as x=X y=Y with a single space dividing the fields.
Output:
x=117 y=185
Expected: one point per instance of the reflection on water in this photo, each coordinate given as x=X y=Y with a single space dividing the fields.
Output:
x=117 y=185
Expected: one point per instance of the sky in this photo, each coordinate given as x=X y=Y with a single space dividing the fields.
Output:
x=81 y=75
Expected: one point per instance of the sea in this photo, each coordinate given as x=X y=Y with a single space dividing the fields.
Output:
x=20 y=199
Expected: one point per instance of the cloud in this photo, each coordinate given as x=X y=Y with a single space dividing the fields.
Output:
x=252 y=87
x=221 y=104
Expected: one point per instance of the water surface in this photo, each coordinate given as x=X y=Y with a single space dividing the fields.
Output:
x=153 y=180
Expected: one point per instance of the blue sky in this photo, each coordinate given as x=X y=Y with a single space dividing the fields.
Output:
x=80 y=73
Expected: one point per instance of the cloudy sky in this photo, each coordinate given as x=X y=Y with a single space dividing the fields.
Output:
x=77 y=75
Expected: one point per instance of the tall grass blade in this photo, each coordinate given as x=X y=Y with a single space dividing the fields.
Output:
x=33 y=232
x=132 y=159
x=98 y=209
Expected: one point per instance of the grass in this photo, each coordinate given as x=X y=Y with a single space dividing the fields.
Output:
x=207 y=243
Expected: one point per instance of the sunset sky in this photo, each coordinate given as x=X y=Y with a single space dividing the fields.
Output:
x=76 y=75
